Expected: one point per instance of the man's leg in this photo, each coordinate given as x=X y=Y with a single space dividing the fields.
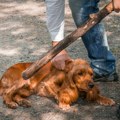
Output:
x=118 y=112
x=55 y=19
x=55 y=25
x=95 y=40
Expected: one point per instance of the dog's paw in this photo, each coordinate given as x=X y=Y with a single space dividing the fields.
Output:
x=106 y=101
x=24 y=103
x=12 y=105
x=64 y=106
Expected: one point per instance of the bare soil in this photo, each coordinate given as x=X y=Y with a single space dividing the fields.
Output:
x=24 y=37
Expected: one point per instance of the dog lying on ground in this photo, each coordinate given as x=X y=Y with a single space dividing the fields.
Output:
x=76 y=80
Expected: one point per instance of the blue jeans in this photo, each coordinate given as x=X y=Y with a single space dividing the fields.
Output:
x=95 y=40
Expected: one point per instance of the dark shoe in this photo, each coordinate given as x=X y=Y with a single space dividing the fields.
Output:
x=108 y=78
x=118 y=113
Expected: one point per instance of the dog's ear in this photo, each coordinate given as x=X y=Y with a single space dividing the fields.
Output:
x=68 y=65
x=93 y=94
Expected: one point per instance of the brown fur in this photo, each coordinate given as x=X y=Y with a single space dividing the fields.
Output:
x=65 y=86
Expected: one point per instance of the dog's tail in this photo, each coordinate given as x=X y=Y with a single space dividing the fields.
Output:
x=1 y=86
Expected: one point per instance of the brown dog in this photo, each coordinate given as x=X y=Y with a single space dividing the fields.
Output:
x=65 y=86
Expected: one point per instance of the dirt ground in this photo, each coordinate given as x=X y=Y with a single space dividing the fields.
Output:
x=24 y=37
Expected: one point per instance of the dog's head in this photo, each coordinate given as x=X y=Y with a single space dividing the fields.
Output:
x=80 y=73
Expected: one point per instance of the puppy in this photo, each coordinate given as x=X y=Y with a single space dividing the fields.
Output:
x=76 y=80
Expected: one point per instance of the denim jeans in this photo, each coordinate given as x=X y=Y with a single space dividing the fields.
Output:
x=95 y=40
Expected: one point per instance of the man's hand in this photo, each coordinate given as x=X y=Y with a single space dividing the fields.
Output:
x=59 y=60
x=116 y=5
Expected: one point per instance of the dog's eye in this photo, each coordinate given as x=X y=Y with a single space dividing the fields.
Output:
x=91 y=74
x=80 y=73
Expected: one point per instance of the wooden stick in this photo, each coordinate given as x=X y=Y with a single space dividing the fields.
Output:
x=80 y=31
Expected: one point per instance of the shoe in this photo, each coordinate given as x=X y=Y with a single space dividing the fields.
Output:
x=118 y=112
x=108 y=78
